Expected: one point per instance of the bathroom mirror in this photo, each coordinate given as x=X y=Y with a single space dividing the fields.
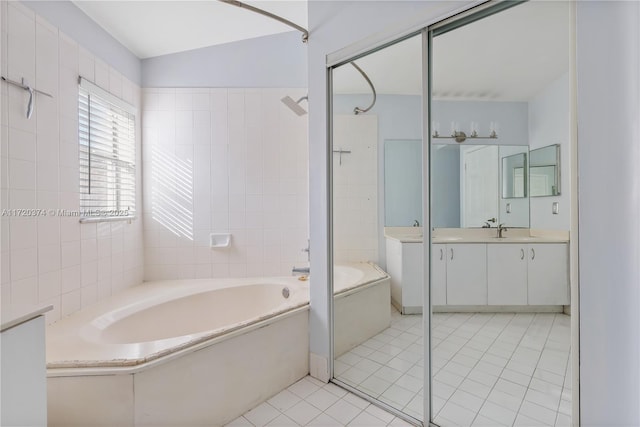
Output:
x=514 y=176
x=466 y=185
x=402 y=182
x=544 y=171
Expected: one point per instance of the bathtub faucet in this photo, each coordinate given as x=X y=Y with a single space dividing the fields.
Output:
x=299 y=270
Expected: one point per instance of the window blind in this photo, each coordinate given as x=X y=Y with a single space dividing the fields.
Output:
x=107 y=150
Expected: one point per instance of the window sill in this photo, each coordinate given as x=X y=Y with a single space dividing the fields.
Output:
x=89 y=220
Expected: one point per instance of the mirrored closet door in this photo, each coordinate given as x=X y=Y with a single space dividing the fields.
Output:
x=500 y=284
x=377 y=227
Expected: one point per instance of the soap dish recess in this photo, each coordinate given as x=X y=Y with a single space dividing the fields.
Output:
x=219 y=240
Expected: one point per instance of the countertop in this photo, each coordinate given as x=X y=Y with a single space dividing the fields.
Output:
x=476 y=235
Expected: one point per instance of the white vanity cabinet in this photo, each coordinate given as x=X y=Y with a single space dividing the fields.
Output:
x=507 y=274
x=466 y=274
x=404 y=265
x=527 y=274
x=548 y=274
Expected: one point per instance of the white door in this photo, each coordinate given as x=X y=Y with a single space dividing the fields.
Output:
x=480 y=185
x=507 y=274
x=467 y=274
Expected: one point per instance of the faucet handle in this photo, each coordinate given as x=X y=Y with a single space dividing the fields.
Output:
x=493 y=220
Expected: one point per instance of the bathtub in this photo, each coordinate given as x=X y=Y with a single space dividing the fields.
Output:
x=185 y=352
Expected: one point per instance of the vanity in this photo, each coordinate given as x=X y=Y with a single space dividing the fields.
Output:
x=473 y=270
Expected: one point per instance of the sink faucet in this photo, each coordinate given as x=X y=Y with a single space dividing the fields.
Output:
x=487 y=225
x=501 y=229
x=299 y=270
x=416 y=223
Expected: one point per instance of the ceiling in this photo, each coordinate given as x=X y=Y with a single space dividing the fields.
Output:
x=509 y=56
x=153 y=28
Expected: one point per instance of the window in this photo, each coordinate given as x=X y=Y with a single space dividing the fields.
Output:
x=107 y=155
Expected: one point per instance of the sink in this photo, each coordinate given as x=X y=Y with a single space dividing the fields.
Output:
x=448 y=238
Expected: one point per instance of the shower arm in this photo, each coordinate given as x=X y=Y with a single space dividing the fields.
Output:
x=359 y=110
x=304 y=31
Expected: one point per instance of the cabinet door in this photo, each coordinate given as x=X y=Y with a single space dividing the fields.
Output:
x=438 y=274
x=507 y=274
x=548 y=274
x=467 y=274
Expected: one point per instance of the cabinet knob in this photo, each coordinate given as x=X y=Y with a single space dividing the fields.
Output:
x=451 y=253
x=521 y=253
x=441 y=254
x=533 y=254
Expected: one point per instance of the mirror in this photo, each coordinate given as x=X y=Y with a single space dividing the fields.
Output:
x=514 y=176
x=402 y=182
x=544 y=171
x=466 y=185
x=377 y=180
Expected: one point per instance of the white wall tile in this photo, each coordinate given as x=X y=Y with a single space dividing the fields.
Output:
x=24 y=263
x=71 y=302
x=44 y=259
x=49 y=286
x=218 y=185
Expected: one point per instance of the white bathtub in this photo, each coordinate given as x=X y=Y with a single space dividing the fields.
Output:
x=184 y=352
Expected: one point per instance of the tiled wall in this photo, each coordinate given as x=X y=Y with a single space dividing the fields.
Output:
x=355 y=188
x=223 y=161
x=51 y=259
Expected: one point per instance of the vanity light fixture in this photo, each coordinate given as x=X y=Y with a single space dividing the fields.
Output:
x=461 y=136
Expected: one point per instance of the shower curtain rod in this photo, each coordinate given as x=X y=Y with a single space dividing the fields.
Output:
x=304 y=31
x=359 y=110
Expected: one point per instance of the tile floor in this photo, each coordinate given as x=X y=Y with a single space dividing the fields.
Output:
x=489 y=370
x=312 y=403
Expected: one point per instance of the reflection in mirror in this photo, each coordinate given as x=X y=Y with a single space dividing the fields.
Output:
x=466 y=186
x=500 y=325
x=544 y=171
x=514 y=176
x=402 y=182
x=377 y=181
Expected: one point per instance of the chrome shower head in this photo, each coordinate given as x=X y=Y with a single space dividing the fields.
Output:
x=295 y=105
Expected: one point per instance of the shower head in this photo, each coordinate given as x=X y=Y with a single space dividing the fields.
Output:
x=295 y=105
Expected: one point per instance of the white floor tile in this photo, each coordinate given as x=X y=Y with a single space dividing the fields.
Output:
x=284 y=400
x=365 y=419
x=343 y=411
x=302 y=412
x=303 y=388
x=537 y=412
x=324 y=420
x=489 y=370
x=467 y=400
x=475 y=388
x=262 y=414
x=283 y=421
x=457 y=414
x=501 y=415
x=322 y=399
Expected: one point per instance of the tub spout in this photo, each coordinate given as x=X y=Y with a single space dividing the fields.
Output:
x=299 y=270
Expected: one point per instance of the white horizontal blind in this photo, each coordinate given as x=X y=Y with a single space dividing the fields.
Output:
x=107 y=155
